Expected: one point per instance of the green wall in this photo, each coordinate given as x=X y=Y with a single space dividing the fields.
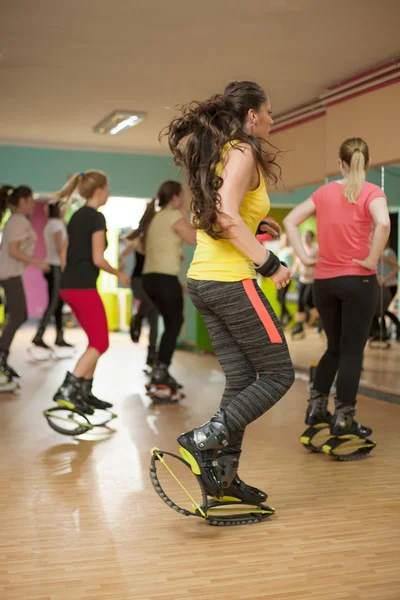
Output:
x=46 y=169
x=292 y=197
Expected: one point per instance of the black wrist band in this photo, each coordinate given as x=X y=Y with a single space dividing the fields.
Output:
x=270 y=266
x=259 y=230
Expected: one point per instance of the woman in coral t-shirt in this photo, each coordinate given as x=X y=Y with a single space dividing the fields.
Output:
x=353 y=227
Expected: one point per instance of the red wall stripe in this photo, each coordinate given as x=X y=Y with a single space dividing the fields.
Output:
x=301 y=121
x=393 y=62
x=261 y=311
x=378 y=86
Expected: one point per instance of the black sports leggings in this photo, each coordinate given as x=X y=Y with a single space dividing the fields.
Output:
x=147 y=310
x=347 y=306
x=166 y=293
x=305 y=296
x=15 y=310
x=55 y=303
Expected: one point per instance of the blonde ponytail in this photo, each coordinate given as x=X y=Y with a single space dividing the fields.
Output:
x=84 y=183
x=355 y=153
x=356 y=177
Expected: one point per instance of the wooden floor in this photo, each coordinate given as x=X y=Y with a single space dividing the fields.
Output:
x=81 y=521
x=381 y=368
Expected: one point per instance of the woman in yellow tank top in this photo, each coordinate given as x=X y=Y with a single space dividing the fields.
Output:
x=222 y=144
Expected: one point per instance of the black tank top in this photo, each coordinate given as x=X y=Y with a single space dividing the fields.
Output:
x=139 y=264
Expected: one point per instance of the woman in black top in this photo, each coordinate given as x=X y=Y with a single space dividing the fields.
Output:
x=147 y=309
x=83 y=257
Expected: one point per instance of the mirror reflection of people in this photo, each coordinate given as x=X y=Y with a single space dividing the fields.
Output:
x=345 y=286
x=17 y=248
x=55 y=233
x=306 y=306
x=285 y=255
x=388 y=268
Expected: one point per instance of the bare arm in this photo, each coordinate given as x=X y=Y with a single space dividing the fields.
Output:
x=295 y=218
x=59 y=240
x=14 y=250
x=296 y=266
x=98 y=249
x=186 y=231
x=131 y=247
x=380 y=215
x=390 y=275
x=63 y=254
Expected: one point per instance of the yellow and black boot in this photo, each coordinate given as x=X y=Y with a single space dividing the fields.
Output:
x=317 y=409
x=68 y=395
x=235 y=488
x=89 y=398
x=199 y=448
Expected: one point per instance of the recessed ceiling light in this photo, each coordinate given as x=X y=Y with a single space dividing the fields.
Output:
x=119 y=121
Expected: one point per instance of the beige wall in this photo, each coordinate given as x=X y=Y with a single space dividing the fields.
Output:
x=311 y=149
x=375 y=117
x=304 y=153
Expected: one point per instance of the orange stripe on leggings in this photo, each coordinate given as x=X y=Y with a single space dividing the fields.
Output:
x=261 y=311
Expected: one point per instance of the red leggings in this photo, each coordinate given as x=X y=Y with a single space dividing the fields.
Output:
x=89 y=311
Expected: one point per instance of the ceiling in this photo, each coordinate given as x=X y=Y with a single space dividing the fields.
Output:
x=67 y=64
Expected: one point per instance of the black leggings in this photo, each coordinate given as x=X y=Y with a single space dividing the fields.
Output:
x=347 y=306
x=55 y=303
x=250 y=346
x=281 y=295
x=392 y=316
x=305 y=296
x=15 y=310
x=166 y=293
x=147 y=310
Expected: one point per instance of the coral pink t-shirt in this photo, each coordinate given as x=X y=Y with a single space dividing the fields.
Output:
x=344 y=230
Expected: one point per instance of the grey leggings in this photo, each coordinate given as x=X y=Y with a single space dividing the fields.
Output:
x=251 y=348
x=15 y=309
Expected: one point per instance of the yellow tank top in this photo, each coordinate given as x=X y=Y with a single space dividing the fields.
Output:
x=218 y=260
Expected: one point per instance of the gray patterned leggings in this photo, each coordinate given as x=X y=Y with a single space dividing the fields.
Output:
x=250 y=345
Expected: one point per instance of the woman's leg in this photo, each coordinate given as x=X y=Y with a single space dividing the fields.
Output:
x=53 y=279
x=392 y=316
x=359 y=297
x=147 y=310
x=250 y=320
x=330 y=308
x=281 y=294
x=89 y=311
x=16 y=312
x=252 y=350
x=166 y=293
x=58 y=313
x=301 y=314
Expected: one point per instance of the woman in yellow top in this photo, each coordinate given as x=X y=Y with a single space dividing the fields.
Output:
x=227 y=165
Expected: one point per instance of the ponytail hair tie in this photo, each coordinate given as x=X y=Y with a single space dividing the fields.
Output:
x=81 y=174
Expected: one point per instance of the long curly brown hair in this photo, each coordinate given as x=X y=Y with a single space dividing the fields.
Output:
x=197 y=137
